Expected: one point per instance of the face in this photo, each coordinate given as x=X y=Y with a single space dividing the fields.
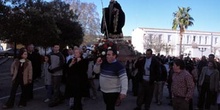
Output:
x=70 y=51
x=210 y=64
x=77 y=53
x=203 y=58
x=46 y=58
x=110 y=56
x=148 y=54
x=176 y=68
x=24 y=55
x=211 y=58
x=30 y=48
x=56 y=48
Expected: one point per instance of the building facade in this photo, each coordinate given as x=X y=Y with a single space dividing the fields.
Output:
x=167 y=41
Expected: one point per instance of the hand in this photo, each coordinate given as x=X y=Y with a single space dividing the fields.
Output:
x=73 y=61
x=122 y=96
x=99 y=61
x=78 y=59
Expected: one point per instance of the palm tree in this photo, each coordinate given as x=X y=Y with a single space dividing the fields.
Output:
x=182 y=20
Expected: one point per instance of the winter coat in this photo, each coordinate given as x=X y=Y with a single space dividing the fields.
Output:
x=27 y=73
x=77 y=79
x=214 y=79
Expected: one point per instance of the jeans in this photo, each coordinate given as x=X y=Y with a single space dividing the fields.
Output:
x=56 y=82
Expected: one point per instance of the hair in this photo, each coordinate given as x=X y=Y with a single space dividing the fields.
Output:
x=149 y=50
x=80 y=51
x=32 y=45
x=56 y=44
x=21 y=51
x=48 y=56
x=212 y=55
x=71 y=47
x=179 y=63
x=114 y=52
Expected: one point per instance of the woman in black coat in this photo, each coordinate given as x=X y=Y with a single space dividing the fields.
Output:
x=77 y=85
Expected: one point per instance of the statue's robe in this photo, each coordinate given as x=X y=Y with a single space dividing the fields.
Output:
x=113 y=20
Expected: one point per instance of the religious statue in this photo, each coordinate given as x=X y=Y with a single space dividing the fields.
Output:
x=113 y=20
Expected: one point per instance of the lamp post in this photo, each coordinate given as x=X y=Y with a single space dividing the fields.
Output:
x=194 y=49
x=167 y=48
x=202 y=50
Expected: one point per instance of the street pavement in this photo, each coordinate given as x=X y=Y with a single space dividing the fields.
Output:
x=3 y=60
x=88 y=104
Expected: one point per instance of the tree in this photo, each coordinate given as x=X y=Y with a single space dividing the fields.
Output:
x=4 y=14
x=182 y=20
x=42 y=23
x=154 y=42
x=67 y=21
x=28 y=23
x=71 y=32
x=88 y=17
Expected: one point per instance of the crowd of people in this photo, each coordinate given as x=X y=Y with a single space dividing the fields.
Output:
x=182 y=76
x=77 y=68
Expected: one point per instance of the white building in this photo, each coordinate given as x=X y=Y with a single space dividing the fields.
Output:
x=195 y=43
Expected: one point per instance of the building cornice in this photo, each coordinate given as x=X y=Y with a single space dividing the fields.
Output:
x=176 y=31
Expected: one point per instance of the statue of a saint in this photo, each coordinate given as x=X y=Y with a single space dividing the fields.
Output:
x=113 y=20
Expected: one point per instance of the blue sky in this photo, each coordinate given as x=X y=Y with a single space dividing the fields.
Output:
x=159 y=13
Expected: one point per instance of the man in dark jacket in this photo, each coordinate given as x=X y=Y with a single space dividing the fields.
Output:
x=159 y=84
x=35 y=59
x=148 y=73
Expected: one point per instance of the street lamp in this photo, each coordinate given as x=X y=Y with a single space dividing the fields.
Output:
x=202 y=50
x=167 y=48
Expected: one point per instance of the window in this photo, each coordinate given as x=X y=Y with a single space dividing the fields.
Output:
x=216 y=40
x=160 y=36
x=200 y=39
x=194 y=38
x=168 y=38
x=150 y=37
x=187 y=39
x=206 y=39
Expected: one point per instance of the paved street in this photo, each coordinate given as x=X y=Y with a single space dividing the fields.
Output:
x=88 y=104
